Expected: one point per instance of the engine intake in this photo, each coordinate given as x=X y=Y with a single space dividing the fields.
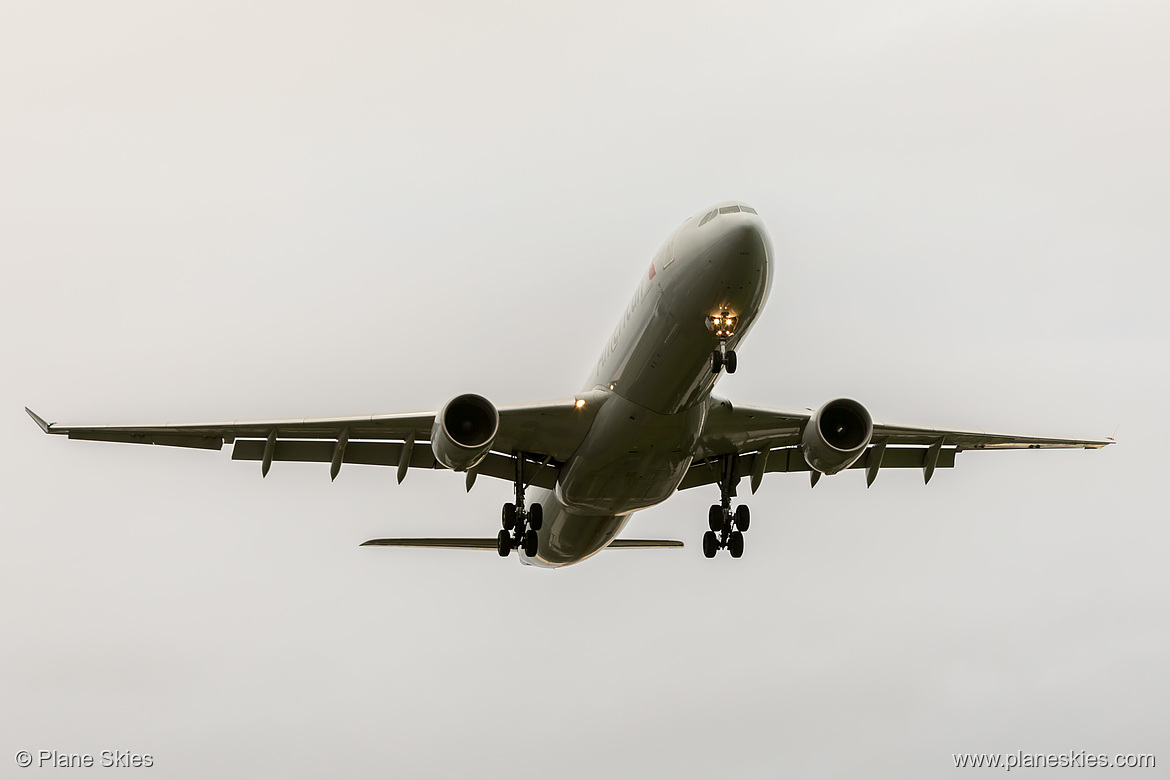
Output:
x=464 y=430
x=836 y=435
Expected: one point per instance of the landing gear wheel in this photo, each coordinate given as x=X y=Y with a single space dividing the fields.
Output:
x=730 y=361
x=710 y=544
x=715 y=517
x=535 y=517
x=735 y=544
x=509 y=516
x=743 y=518
x=503 y=544
x=531 y=542
x=727 y=525
x=716 y=361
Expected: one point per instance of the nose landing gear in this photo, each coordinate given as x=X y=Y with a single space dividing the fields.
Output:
x=723 y=326
x=726 y=526
x=723 y=358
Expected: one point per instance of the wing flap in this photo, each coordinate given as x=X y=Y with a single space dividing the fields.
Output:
x=370 y=453
x=899 y=433
x=504 y=467
x=161 y=439
x=791 y=459
x=383 y=453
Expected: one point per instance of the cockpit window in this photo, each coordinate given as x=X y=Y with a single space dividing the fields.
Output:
x=727 y=210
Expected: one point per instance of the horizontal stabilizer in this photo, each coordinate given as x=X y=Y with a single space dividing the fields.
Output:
x=490 y=544
x=457 y=544
x=642 y=544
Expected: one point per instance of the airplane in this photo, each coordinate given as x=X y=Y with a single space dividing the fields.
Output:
x=645 y=425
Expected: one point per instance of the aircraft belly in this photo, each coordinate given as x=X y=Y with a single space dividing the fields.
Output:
x=568 y=537
x=623 y=484
x=633 y=458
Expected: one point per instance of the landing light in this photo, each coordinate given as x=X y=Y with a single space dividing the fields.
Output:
x=722 y=323
x=580 y=403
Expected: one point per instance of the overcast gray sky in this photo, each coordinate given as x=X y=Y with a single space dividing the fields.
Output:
x=234 y=210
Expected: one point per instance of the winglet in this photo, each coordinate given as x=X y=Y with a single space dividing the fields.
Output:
x=44 y=425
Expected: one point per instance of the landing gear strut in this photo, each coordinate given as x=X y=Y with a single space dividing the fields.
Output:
x=726 y=526
x=520 y=524
x=723 y=326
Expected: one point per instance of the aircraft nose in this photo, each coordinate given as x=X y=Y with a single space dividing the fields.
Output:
x=742 y=235
x=738 y=260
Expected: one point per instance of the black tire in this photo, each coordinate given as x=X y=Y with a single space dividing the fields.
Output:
x=715 y=517
x=509 y=516
x=531 y=543
x=735 y=544
x=716 y=361
x=710 y=544
x=743 y=518
x=503 y=544
x=730 y=361
x=535 y=517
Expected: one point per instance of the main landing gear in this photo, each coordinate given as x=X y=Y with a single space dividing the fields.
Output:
x=727 y=526
x=520 y=524
x=723 y=326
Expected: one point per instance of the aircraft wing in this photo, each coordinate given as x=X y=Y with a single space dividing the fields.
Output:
x=544 y=434
x=763 y=440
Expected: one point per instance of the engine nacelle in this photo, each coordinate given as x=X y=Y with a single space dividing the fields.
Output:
x=464 y=431
x=836 y=435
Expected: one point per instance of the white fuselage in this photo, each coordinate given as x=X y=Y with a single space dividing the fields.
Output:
x=653 y=381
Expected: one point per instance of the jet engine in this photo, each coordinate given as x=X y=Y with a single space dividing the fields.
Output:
x=464 y=431
x=836 y=435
